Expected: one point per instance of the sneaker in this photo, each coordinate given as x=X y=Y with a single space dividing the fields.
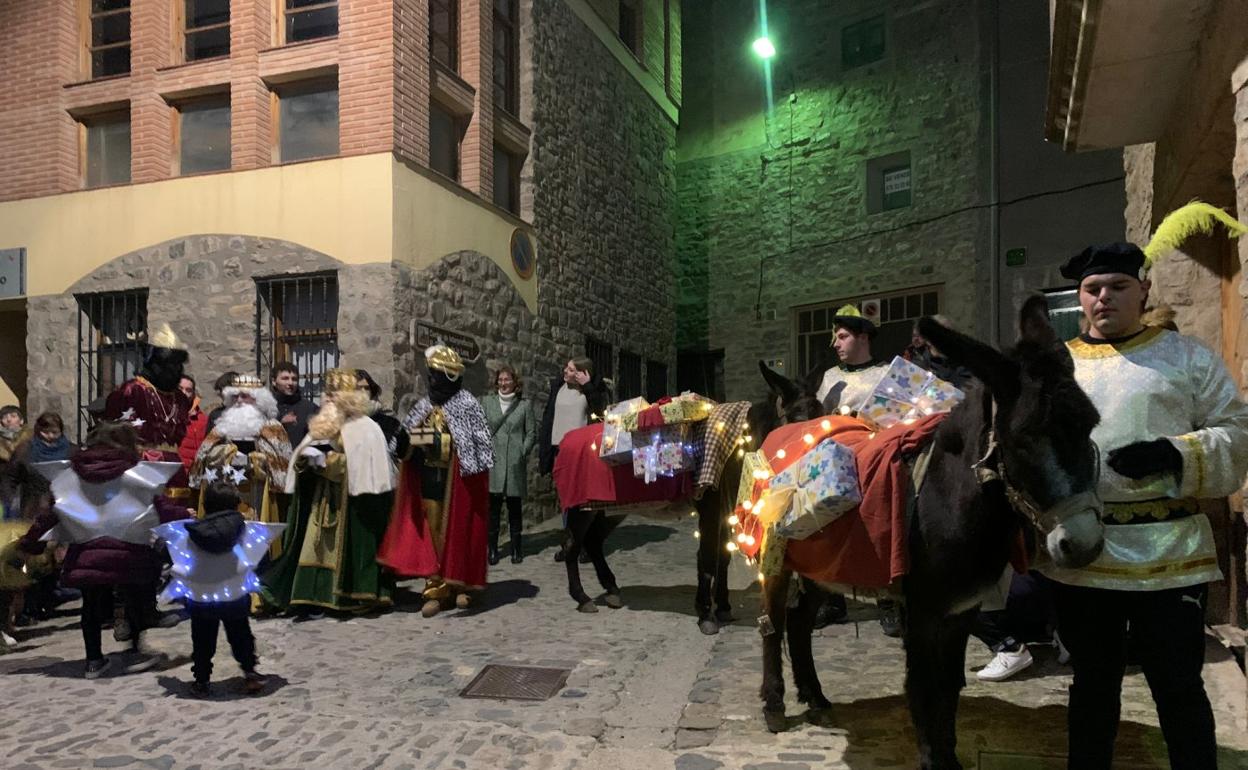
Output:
x=7 y=640
x=1005 y=665
x=1063 y=654
x=140 y=662
x=200 y=689
x=121 y=630
x=254 y=682
x=96 y=668
x=832 y=610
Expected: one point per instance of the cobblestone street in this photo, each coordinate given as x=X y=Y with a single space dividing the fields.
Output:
x=646 y=689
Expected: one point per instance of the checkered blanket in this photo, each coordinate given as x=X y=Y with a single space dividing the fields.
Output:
x=717 y=438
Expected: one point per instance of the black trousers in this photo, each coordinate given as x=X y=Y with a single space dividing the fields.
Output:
x=1168 y=629
x=1026 y=618
x=515 y=519
x=588 y=530
x=204 y=620
x=97 y=609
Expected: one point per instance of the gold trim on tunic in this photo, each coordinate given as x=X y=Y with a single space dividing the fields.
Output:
x=1081 y=349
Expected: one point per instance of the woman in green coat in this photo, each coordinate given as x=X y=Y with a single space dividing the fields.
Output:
x=514 y=427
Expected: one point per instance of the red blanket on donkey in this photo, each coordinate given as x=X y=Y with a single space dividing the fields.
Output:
x=581 y=477
x=867 y=546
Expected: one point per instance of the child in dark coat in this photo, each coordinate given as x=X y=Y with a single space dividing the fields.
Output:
x=214 y=561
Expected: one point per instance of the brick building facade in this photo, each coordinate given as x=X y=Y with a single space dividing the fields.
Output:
x=317 y=181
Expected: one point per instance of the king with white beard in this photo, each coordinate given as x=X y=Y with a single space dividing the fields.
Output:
x=248 y=447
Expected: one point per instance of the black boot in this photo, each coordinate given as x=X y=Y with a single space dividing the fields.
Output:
x=496 y=505
x=515 y=524
x=517 y=548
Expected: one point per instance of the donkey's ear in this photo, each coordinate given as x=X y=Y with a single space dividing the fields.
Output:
x=782 y=387
x=1033 y=323
x=989 y=365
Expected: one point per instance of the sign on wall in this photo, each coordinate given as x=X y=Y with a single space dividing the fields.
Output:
x=12 y=273
x=426 y=335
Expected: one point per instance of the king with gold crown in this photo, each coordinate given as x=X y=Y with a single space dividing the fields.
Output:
x=341 y=483
x=440 y=527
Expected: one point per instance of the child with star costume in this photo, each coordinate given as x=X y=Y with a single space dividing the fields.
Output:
x=214 y=559
x=104 y=504
x=1173 y=430
x=341 y=489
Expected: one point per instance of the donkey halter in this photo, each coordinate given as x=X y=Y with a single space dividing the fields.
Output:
x=991 y=467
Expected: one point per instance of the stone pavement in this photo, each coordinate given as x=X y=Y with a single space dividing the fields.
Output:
x=646 y=691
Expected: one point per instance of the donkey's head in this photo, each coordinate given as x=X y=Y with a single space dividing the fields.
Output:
x=1038 y=431
x=788 y=401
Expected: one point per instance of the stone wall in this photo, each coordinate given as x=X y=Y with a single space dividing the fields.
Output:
x=772 y=202
x=204 y=287
x=603 y=173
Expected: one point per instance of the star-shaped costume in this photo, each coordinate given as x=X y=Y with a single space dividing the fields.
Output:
x=122 y=508
x=215 y=577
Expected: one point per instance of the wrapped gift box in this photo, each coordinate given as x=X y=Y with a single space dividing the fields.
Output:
x=820 y=486
x=617 y=442
x=687 y=407
x=751 y=463
x=907 y=392
x=661 y=452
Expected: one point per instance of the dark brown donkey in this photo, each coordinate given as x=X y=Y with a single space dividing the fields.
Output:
x=1017 y=451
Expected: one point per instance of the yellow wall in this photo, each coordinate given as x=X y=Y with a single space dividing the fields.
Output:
x=431 y=221
x=362 y=209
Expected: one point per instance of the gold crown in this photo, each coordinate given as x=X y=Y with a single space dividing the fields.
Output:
x=164 y=337
x=441 y=358
x=246 y=382
x=337 y=380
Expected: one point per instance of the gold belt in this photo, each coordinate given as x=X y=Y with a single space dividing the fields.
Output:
x=177 y=493
x=1150 y=510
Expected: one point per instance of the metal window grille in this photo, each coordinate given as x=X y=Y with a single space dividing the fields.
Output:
x=110 y=327
x=629 y=383
x=297 y=321
x=895 y=314
x=603 y=356
x=656 y=380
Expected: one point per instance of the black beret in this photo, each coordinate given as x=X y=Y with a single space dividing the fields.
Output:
x=1124 y=258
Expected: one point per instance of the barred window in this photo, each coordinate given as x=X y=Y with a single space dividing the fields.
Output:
x=110 y=327
x=656 y=380
x=629 y=383
x=506 y=56
x=603 y=356
x=297 y=321
x=894 y=314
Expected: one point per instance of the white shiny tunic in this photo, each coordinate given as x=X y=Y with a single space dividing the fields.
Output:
x=1154 y=385
x=858 y=383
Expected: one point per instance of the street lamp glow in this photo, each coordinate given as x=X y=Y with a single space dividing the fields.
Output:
x=764 y=48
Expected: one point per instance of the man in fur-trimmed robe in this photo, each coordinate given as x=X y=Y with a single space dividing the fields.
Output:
x=248 y=447
x=341 y=484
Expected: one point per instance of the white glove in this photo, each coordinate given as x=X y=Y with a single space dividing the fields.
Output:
x=313 y=457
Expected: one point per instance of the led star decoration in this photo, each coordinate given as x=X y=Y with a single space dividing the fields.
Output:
x=237 y=475
x=209 y=475
x=122 y=508
x=215 y=577
x=127 y=415
x=138 y=422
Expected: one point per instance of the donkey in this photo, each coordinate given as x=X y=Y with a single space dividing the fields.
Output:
x=1017 y=449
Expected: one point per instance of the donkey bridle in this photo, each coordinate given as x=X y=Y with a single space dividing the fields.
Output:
x=991 y=467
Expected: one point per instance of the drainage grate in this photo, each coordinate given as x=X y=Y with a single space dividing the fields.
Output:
x=516 y=683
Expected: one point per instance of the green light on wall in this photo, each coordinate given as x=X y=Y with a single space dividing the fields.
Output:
x=764 y=48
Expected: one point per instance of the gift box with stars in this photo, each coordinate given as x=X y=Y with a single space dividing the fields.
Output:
x=820 y=487
x=617 y=442
x=907 y=392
